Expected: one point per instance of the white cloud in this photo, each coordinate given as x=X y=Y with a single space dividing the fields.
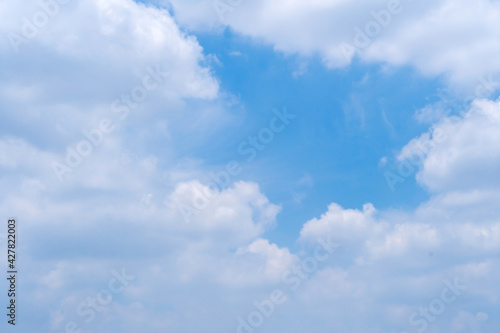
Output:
x=436 y=37
x=90 y=54
x=342 y=224
x=276 y=260
x=72 y=249
x=460 y=153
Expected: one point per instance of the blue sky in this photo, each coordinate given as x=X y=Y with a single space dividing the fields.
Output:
x=347 y=120
x=370 y=203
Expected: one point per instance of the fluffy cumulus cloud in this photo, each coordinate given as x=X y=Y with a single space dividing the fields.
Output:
x=74 y=254
x=342 y=225
x=94 y=60
x=388 y=258
x=456 y=151
x=437 y=37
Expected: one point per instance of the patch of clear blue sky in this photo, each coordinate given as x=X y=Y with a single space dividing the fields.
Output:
x=346 y=121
